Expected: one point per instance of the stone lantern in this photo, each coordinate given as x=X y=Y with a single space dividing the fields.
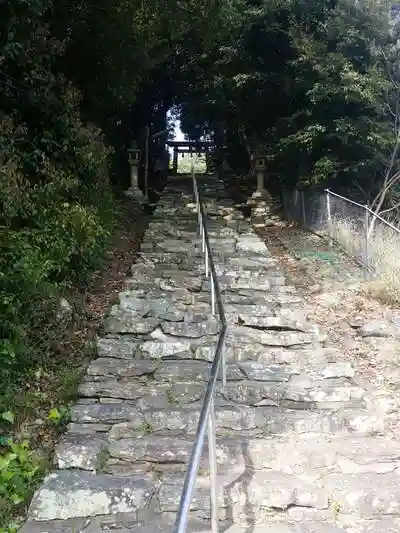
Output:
x=134 y=158
x=260 y=166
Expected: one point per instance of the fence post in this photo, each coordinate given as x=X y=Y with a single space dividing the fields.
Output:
x=367 y=235
x=329 y=215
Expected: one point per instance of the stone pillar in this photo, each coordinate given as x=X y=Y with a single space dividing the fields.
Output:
x=260 y=167
x=175 y=161
x=134 y=189
x=260 y=181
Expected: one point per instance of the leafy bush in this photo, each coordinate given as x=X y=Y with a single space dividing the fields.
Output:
x=55 y=214
x=19 y=467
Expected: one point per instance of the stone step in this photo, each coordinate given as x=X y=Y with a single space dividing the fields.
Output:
x=254 y=297
x=274 y=494
x=160 y=346
x=242 y=279
x=128 y=524
x=313 y=455
x=285 y=389
x=254 y=283
x=277 y=496
x=286 y=339
x=298 y=443
x=129 y=319
x=173 y=412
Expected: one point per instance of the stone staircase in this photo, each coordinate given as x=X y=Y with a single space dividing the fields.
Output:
x=300 y=447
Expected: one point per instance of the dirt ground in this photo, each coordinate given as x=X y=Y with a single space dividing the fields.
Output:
x=337 y=295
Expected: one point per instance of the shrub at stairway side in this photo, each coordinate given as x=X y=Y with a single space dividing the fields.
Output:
x=55 y=213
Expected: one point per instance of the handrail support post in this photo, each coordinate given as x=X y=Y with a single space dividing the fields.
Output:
x=212 y=455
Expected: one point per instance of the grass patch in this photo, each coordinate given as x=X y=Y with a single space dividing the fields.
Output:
x=380 y=254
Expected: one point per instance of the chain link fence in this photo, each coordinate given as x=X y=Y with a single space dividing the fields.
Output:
x=363 y=234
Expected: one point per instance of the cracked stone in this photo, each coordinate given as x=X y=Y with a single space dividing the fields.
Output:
x=271 y=322
x=265 y=338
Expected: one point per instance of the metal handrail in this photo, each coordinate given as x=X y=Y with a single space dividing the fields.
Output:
x=207 y=414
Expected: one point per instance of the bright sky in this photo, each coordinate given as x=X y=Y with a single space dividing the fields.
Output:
x=178 y=133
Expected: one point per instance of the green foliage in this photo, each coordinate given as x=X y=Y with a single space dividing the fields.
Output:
x=301 y=82
x=58 y=416
x=55 y=199
x=19 y=468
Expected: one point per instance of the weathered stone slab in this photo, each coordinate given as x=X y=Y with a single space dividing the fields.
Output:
x=171 y=489
x=255 y=262
x=368 y=495
x=305 y=389
x=234 y=350
x=69 y=494
x=128 y=322
x=254 y=393
x=149 y=449
x=252 y=245
x=81 y=451
x=141 y=306
x=98 y=413
x=88 y=429
x=251 y=297
x=338 y=370
x=254 y=284
x=117 y=347
x=126 y=389
x=110 y=367
x=158 y=349
x=101 y=525
x=173 y=419
x=192 y=330
x=183 y=370
x=273 y=490
x=259 y=371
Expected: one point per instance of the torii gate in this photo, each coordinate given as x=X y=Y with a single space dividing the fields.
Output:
x=188 y=147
